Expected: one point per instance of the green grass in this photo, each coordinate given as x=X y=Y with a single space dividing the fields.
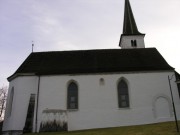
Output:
x=167 y=128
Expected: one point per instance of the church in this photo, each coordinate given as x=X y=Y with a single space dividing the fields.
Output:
x=87 y=89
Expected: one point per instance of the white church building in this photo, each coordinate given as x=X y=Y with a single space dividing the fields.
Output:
x=86 y=89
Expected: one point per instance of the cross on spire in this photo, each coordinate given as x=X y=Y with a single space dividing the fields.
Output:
x=32 y=46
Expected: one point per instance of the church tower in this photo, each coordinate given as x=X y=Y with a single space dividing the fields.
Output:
x=131 y=37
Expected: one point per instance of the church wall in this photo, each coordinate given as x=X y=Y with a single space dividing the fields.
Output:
x=98 y=101
x=7 y=125
x=24 y=86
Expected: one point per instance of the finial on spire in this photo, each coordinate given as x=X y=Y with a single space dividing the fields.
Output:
x=32 y=46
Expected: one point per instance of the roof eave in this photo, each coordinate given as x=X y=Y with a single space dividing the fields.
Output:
x=12 y=77
x=103 y=72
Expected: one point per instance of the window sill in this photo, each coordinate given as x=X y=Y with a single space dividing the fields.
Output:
x=126 y=108
x=72 y=110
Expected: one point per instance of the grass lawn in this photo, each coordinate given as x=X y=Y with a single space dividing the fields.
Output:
x=167 y=128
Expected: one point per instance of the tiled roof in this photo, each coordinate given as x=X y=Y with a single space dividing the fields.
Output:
x=93 y=61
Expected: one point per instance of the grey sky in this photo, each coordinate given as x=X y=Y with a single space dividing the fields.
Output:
x=57 y=25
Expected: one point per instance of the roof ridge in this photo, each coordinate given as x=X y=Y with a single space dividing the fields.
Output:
x=89 y=50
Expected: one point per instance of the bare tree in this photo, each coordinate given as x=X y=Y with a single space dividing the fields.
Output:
x=3 y=97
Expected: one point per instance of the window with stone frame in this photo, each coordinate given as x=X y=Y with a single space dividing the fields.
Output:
x=72 y=96
x=123 y=94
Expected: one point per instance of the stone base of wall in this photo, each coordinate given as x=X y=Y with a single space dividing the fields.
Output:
x=12 y=132
x=54 y=120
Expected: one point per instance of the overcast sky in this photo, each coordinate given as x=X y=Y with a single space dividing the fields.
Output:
x=57 y=25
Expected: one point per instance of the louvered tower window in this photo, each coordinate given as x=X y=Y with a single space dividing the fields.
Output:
x=133 y=43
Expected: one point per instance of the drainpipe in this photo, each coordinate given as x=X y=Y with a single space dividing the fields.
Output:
x=37 y=105
x=174 y=109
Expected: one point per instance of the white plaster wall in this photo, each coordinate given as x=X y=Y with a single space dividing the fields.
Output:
x=23 y=88
x=98 y=104
x=126 y=41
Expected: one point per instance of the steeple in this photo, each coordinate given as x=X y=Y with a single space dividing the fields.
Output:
x=131 y=37
x=130 y=26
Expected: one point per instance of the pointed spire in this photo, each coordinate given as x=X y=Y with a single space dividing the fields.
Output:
x=131 y=37
x=130 y=27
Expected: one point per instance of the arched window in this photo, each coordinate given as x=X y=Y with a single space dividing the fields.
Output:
x=133 y=43
x=72 y=96
x=10 y=101
x=123 y=94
